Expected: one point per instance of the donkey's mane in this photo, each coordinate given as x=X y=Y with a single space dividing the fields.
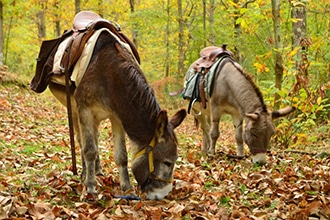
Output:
x=249 y=78
x=129 y=71
x=131 y=88
x=142 y=90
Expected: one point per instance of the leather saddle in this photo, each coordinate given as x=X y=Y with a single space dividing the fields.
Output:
x=208 y=56
x=84 y=25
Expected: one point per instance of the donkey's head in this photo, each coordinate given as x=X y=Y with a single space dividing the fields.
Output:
x=259 y=129
x=153 y=165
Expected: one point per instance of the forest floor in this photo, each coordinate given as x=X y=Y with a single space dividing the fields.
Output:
x=36 y=181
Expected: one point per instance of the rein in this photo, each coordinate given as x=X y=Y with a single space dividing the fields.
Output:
x=149 y=151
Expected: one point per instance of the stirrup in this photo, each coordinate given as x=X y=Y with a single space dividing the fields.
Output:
x=192 y=106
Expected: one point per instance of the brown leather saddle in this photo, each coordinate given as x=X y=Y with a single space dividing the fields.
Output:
x=84 y=25
x=208 y=56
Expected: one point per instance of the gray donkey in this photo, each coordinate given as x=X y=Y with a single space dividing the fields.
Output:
x=231 y=91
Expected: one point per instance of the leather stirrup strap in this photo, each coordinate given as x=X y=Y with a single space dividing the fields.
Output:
x=202 y=89
x=69 y=110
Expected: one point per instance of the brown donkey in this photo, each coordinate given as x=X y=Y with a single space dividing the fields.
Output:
x=115 y=87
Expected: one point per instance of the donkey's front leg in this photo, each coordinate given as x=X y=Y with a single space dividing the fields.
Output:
x=238 y=124
x=120 y=154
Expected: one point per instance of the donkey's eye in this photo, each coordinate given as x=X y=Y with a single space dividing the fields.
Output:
x=167 y=163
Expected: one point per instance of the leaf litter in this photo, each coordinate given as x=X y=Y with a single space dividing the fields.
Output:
x=36 y=181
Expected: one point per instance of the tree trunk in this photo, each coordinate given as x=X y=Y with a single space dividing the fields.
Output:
x=180 y=40
x=276 y=5
x=135 y=32
x=204 y=22
x=237 y=34
x=41 y=21
x=298 y=15
x=211 y=23
x=1 y=33
x=57 y=20
x=77 y=6
x=167 y=40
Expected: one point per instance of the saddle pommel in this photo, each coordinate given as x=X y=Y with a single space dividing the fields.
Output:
x=84 y=19
x=209 y=55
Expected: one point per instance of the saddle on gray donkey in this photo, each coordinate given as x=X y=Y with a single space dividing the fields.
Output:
x=197 y=74
x=208 y=56
x=84 y=25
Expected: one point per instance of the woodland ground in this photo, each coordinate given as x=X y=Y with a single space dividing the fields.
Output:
x=36 y=181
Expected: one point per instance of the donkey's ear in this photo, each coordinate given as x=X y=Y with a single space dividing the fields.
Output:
x=252 y=116
x=177 y=119
x=255 y=115
x=282 y=112
x=161 y=125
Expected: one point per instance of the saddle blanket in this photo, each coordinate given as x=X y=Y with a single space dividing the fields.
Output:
x=83 y=62
x=193 y=77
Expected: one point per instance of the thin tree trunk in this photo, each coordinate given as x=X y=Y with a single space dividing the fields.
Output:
x=237 y=34
x=135 y=32
x=180 y=43
x=8 y=37
x=167 y=40
x=211 y=23
x=77 y=6
x=41 y=21
x=204 y=22
x=57 y=20
x=298 y=15
x=276 y=5
x=1 y=33
x=100 y=7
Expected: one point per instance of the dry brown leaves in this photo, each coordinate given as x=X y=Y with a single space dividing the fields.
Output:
x=36 y=182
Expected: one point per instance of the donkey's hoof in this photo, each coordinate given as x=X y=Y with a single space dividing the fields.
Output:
x=127 y=189
x=99 y=173
x=92 y=190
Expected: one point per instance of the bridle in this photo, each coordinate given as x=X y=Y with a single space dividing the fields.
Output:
x=149 y=151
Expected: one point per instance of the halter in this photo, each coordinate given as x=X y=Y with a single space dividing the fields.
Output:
x=150 y=153
x=257 y=150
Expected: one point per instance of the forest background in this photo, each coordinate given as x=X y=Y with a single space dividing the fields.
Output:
x=285 y=45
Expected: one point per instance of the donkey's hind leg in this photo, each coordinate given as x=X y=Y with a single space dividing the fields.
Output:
x=205 y=126
x=98 y=167
x=215 y=133
x=120 y=154
x=88 y=135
